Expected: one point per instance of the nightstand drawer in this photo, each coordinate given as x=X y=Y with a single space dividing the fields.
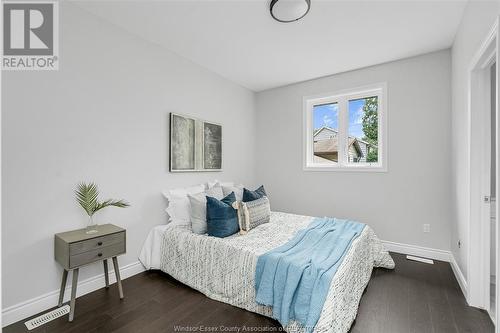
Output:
x=95 y=255
x=96 y=243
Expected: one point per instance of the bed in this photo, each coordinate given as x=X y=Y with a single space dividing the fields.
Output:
x=224 y=268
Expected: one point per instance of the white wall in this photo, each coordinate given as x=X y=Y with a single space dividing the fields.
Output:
x=103 y=117
x=416 y=188
x=477 y=20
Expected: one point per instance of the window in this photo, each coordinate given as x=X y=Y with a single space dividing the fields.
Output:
x=345 y=130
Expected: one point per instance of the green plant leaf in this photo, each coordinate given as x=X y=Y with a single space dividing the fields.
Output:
x=111 y=202
x=86 y=196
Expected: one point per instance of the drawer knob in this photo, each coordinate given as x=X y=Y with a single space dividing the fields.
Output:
x=99 y=243
x=99 y=254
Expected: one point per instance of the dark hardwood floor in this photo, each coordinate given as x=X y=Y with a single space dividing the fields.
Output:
x=415 y=297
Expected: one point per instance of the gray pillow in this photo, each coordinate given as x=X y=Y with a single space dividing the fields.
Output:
x=237 y=189
x=198 y=209
x=253 y=213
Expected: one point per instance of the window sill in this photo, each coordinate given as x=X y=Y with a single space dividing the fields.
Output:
x=345 y=169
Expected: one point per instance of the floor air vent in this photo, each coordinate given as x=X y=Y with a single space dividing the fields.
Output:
x=425 y=260
x=46 y=317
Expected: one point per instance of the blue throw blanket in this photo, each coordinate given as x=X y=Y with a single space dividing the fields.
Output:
x=295 y=278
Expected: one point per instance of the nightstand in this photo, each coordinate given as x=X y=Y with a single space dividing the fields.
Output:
x=74 y=249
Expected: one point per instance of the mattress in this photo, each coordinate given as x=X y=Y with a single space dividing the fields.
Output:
x=224 y=268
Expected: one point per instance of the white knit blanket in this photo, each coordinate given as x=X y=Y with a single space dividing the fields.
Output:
x=224 y=268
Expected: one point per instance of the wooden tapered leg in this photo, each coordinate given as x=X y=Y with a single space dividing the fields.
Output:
x=106 y=275
x=118 y=280
x=73 y=294
x=63 y=287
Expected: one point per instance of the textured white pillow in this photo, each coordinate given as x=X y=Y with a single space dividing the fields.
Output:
x=198 y=209
x=237 y=189
x=216 y=182
x=178 y=204
x=211 y=184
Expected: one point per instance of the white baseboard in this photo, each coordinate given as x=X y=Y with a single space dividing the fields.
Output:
x=462 y=282
x=419 y=251
x=41 y=303
x=430 y=253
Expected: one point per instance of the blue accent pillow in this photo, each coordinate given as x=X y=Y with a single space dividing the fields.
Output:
x=222 y=218
x=254 y=195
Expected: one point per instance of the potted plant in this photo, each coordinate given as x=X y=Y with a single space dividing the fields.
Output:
x=86 y=195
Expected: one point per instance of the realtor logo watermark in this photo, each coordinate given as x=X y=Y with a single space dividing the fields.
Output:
x=30 y=35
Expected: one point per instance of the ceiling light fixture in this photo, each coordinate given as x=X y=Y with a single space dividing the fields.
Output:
x=289 y=10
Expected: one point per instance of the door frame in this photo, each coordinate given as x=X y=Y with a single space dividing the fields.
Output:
x=478 y=177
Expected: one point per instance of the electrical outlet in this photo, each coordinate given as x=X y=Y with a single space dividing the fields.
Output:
x=427 y=227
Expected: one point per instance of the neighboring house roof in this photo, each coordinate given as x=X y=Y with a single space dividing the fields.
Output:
x=326 y=146
x=355 y=143
x=319 y=159
x=318 y=130
x=330 y=146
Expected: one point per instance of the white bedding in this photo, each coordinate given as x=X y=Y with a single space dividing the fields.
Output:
x=150 y=255
x=223 y=268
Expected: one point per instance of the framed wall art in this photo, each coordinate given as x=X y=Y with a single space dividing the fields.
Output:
x=195 y=145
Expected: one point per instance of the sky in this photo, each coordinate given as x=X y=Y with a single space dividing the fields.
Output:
x=328 y=114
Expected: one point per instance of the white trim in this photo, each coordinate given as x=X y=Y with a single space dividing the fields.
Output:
x=46 y=301
x=497 y=181
x=477 y=225
x=462 y=282
x=427 y=252
x=361 y=168
x=341 y=98
x=419 y=251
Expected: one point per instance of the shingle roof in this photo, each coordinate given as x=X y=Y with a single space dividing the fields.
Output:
x=316 y=131
x=319 y=159
x=326 y=146
x=329 y=146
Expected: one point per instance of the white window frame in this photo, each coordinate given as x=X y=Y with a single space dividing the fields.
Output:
x=342 y=98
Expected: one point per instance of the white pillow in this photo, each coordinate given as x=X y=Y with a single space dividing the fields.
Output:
x=211 y=184
x=216 y=182
x=178 y=204
x=237 y=189
x=198 y=209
